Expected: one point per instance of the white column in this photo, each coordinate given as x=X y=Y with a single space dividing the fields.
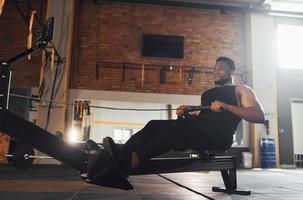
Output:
x=63 y=11
x=261 y=61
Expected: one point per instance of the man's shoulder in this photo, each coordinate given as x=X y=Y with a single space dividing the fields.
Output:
x=221 y=88
x=209 y=90
x=243 y=88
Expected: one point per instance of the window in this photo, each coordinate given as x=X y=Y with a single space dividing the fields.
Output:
x=121 y=135
x=290 y=46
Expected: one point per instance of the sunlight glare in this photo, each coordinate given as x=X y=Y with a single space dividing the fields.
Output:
x=290 y=46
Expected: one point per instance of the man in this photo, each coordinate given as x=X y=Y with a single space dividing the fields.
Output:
x=211 y=129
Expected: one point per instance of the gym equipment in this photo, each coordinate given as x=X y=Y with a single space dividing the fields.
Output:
x=206 y=161
x=99 y=168
x=41 y=140
x=60 y=150
x=23 y=156
x=195 y=108
x=47 y=143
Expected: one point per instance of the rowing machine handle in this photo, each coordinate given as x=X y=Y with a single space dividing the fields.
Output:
x=189 y=109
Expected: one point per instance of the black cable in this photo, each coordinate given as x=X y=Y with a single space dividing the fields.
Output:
x=185 y=187
x=51 y=98
x=106 y=107
x=133 y=109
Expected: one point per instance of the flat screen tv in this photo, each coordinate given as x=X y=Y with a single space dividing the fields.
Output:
x=163 y=46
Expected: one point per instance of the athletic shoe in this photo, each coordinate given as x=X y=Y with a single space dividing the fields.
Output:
x=120 y=158
x=111 y=147
x=91 y=147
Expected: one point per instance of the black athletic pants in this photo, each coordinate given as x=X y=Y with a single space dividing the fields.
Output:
x=160 y=136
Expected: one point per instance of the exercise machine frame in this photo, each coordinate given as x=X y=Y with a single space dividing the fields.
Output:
x=42 y=140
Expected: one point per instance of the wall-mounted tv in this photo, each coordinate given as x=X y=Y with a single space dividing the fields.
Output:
x=163 y=46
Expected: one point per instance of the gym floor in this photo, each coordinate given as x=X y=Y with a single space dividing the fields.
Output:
x=61 y=182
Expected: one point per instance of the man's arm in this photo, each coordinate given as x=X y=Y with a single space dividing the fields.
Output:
x=250 y=109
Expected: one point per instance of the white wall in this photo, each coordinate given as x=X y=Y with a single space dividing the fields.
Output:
x=106 y=120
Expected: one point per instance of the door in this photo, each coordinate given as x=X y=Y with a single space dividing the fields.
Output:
x=297 y=129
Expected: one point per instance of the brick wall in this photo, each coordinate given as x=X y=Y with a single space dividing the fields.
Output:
x=13 y=40
x=112 y=32
x=4 y=143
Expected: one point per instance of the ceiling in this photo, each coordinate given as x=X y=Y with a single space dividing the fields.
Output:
x=278 y=6
x=212 y=4
x=223 y=2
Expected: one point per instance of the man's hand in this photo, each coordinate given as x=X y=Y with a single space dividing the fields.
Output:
x=180 y=111
x=218 y=106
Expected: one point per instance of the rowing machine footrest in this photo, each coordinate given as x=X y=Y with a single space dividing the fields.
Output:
x=231 y=191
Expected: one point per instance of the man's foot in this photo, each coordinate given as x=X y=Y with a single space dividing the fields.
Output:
x=98 y=165
x=120 y=158
x=111 y=147
x=91 y=147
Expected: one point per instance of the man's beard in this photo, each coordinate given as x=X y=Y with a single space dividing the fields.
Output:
x=222 y=81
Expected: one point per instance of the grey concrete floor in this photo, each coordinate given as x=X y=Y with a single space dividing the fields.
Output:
x=59 y=182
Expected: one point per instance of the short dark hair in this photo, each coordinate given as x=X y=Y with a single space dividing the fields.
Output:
x=231 y=64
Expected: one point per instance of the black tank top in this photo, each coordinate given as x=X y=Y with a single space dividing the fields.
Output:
x=226 y=94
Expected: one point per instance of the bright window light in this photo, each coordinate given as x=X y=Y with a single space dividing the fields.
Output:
x=290 y=46
x=73 y=134
x=121 y=135
x=286 y=5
